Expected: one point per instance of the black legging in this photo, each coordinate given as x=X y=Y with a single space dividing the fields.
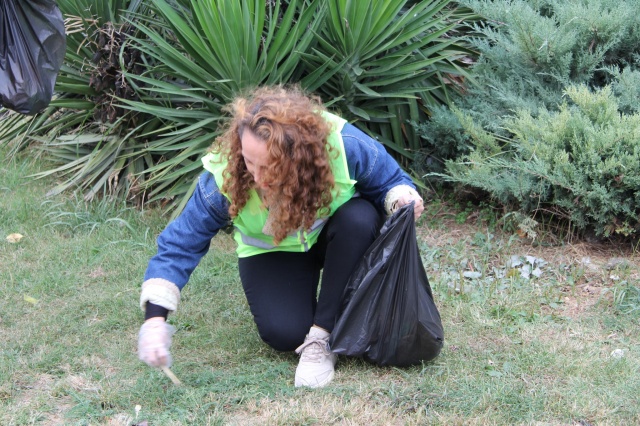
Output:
x=281 y=287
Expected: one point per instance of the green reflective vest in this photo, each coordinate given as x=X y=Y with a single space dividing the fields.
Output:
x=252 y=218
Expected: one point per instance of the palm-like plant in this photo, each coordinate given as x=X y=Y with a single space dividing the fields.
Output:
x=383 y=62
x=388 y=62
x=206 y=52
x=93 y=141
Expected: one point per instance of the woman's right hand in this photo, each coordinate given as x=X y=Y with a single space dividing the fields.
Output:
x=154 y=341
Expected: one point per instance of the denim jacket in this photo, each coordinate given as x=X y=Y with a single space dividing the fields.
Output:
x=186 y=239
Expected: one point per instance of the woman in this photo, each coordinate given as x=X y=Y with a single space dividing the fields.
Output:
x=306 y=192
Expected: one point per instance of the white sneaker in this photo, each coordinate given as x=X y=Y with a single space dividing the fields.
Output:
x=317 y=362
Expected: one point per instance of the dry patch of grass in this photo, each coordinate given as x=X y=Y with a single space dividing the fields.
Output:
x=36 y=401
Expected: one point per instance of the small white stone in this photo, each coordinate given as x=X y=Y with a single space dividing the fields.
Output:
x=618 y=353
x=472 y=274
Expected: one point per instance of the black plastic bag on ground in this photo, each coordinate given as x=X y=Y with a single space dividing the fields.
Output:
x=388 y=314
x=32 y=48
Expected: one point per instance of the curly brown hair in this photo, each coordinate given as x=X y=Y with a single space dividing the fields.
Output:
x=299 y=172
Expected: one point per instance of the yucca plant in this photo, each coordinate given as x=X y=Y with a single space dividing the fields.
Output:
x=94 y=142
x=206 y=52
x=388 y=63
x=379 y=62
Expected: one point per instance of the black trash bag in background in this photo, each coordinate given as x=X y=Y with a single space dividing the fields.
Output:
x=32 y=48
x=388 y=314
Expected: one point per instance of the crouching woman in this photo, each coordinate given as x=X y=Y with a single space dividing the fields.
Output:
x=306 y=193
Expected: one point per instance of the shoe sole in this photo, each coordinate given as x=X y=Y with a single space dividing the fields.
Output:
x=317 y=384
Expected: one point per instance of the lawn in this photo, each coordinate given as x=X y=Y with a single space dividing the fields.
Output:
x=536 y=333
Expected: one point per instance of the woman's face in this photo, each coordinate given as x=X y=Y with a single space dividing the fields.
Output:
x=255 y=153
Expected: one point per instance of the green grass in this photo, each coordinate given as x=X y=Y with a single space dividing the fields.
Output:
x=518 y=351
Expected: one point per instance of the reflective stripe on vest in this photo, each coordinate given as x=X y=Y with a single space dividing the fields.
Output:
x=246 y=239
x=253 y=216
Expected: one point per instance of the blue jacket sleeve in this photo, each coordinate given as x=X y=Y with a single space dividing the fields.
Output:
x=183 y=243
x=375 y=171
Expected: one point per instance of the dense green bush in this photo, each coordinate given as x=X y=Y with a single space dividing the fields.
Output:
x=530 y=51
x=525 y=135
x=581 y=164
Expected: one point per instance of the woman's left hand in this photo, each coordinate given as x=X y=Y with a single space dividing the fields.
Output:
x=418 y=207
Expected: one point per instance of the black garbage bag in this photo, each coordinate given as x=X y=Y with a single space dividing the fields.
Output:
x=388 y=314
x=32 y=48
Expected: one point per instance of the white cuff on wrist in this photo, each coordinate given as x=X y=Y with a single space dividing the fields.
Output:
x=394 y=194
x=160 y=292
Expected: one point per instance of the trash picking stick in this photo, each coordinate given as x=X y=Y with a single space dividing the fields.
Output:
x=170 y=375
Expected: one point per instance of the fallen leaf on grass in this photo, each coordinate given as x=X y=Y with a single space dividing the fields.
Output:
x=14 y=238
x=30 y=299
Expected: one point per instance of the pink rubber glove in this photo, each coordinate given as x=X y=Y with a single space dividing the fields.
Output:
x=154 y=341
